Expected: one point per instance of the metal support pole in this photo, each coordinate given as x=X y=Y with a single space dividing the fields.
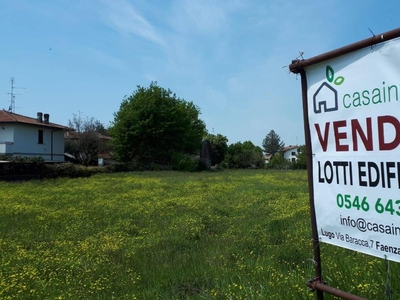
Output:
x=316 y=284
x=315 y=241
x=298 y=65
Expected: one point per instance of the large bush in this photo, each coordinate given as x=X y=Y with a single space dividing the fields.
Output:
x=152 y=125
x=244 y=155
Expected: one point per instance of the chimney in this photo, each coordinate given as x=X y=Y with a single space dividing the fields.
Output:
x=46 y=118
x=39 y=117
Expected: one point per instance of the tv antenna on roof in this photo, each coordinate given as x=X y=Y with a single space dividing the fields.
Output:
x=12 y=101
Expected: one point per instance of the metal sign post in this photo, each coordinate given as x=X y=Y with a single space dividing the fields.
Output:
x=338 y=57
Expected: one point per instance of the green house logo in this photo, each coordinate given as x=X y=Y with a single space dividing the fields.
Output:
x=325 y=98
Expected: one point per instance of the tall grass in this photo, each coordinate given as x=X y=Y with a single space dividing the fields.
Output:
x=167 y=235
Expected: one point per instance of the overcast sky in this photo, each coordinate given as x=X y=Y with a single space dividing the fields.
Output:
x=229 y=57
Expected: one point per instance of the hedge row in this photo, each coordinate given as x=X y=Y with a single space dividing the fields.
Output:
x=26 y=168
x=16 y=170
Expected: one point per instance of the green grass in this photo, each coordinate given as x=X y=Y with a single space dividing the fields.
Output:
x=167 y=235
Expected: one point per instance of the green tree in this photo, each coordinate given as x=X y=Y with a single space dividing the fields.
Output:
x=86 y=140
x=244 y=155
x=272 y=143
x=278 y=161
x=152 y=125
x=219 y=147
x=301 y=162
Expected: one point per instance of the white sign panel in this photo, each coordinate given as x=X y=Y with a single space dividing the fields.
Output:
x=354 y=114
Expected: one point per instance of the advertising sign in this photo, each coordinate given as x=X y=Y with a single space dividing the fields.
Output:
x=354 y=117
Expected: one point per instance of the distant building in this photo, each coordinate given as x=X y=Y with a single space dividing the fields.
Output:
x=267 y=158
x=104 y=151
x=290 y=152
x=29 y=137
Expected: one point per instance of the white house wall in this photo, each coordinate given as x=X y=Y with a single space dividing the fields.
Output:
x=6 y=133
x=58 y=145
x=6 y=139
x=3 y=148
x=26 y=142
x=288 y=154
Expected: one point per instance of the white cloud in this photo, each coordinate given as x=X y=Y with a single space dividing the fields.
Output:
x=126 y=19
x=106 y=59
x=150 y=77
x=209 y=17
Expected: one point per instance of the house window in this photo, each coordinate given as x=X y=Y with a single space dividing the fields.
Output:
x=40 y=136
x=293 y=153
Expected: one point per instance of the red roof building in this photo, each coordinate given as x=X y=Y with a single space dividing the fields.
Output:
x=31 y=137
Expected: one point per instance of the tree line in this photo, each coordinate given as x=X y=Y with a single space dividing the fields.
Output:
x=154 y=127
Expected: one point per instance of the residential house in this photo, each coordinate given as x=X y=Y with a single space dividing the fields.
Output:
x=267 y=158
x=31 y=137
x=290 y=152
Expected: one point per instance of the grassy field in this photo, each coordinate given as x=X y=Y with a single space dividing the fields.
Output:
x=167 y=235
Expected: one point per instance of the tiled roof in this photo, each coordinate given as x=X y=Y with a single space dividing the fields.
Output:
x=267 y=156
x=290 y=147
x=73 y=135
x=9 y=117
